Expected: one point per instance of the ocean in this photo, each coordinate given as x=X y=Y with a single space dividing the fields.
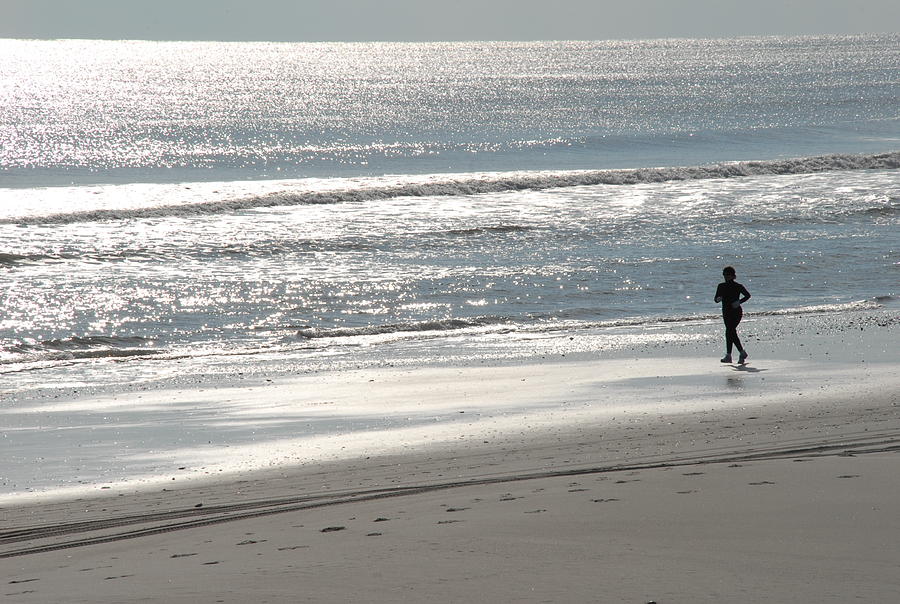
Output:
x=176 y=212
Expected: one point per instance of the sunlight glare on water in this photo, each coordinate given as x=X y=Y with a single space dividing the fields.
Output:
x=198 y=110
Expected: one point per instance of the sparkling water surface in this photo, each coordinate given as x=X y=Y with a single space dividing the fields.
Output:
x=82 y=111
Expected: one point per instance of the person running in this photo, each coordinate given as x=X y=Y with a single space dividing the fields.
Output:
x=732 y=294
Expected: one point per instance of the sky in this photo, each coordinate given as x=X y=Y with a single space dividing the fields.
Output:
x=439 y=20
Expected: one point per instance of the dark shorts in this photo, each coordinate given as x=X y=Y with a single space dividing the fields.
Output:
x=732 y=317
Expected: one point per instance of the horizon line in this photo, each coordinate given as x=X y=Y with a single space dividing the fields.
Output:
x=450 y=41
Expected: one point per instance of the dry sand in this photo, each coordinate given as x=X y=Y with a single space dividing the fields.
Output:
x=771 y=483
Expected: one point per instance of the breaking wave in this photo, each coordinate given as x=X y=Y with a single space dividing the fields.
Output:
x=481 y=184
x=77 y=348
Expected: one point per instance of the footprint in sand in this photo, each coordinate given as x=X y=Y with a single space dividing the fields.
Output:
x=84 y=570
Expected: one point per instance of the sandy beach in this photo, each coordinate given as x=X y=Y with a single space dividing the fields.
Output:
x=659 y=477
x=418 y=302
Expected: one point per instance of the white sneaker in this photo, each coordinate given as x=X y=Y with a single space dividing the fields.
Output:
x=726 y=359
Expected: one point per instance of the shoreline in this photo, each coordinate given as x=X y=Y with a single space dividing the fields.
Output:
x=396 y=408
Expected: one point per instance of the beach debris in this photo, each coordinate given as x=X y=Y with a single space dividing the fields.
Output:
x=332 y=529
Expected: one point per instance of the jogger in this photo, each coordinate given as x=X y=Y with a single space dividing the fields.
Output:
x=732 y=294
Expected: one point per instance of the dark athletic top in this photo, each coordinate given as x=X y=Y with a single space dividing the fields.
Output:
x=731 y=291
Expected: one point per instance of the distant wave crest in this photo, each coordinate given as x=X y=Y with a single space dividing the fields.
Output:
x=481 y=184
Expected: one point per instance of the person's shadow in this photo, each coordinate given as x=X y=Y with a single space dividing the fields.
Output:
x=748 y=369
x=736 y=382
